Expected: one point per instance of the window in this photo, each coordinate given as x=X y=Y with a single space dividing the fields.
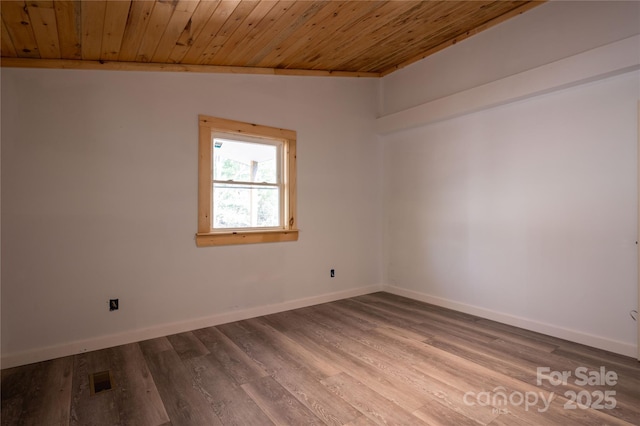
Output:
x=246 y=183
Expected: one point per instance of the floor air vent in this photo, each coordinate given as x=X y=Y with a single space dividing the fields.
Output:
x=100 y=382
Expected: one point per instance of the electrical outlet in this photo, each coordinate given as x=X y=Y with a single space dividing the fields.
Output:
x=333 y=273
x=113 y=304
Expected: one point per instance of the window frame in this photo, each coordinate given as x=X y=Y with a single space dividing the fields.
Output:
x=209 y=236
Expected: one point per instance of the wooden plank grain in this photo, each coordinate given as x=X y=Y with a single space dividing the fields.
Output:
x=257 y=32
x=135 y=29
x=367 y=32
x=18 y=23
x=378 y=409
x=7 y=49
x=236 y=364
x=388 y=386
x=295 y=350
x=69 y=22
x=215 y=24
x=192 y=30
x=154 y=346
x=281 y=31
x=115 y=22
x=53 y=406
x=428 y=314
x=231 y=20
x=138 y=399
x=87 y=410
x=336 y=363
x=184 y=404
x=179 y=19
x=259 y=345
x=283 y=321
x=133 y=398
x=278 y=404
x=300 y=378
x=230 y=402
x=45 y=29
x=93 y=13
x=401 y=360
x=158 y=21
x=440 y=415
x=338 y=26
x=37 y=394
x=187 y=345
x=296 y=40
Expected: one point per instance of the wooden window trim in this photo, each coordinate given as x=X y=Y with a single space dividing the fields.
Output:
x=206 y=236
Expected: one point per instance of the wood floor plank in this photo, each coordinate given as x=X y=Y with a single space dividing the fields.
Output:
x=376 y=316
x=187 y=345
x=625 y=410
x=378 y=409
x=283 y=321
x=138 y=399
x=295 y=350
x=629 y=381
x=237 y=365
x=377 y=356
x=154 y=346
x=237 y=327
x=437 y=329
x=372 y=359
x=229 y=401
x=383 y=356
x=281 y=407
x=360 y=421
x=38 y=394
x=51 y=394
x=347 y=319
x=299 y=377
x=88 y=410
x=524 y=369
x=55 y=406
x=133 y=399
x=17 y=384
x=386 y=297
x=626 y=367
x=389 y=387
x=393 y=382
x=261 y=347
x=440 y=415
x=184 y=404
x=438 y=316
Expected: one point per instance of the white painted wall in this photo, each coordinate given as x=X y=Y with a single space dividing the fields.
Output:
x=524 y=209
x=99 y=182
x=545 y=34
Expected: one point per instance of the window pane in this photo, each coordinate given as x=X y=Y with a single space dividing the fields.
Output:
x=240 y=206
x=244 y=161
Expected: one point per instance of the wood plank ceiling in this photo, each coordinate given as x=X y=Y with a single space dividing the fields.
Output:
x=357 y=38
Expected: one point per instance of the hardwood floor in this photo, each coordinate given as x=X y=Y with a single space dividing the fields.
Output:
x=375 y=359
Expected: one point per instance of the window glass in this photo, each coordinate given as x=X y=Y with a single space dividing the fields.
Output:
x=244 y=161
x=237 y=164
x=245 y=206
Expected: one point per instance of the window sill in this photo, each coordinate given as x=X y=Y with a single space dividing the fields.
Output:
x=245 y=237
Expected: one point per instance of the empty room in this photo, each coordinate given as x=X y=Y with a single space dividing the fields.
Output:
x=319 y=212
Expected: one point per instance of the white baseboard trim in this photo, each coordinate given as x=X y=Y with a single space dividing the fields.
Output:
x=526 y=323
x=102 y=342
